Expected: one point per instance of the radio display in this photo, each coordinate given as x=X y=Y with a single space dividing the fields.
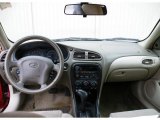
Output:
x=86 y=72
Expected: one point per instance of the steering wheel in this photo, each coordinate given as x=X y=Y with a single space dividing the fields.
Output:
x=33 y=69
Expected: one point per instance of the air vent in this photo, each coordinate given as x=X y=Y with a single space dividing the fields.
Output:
x=3 y=56
x=79 y=55
x=147 y=62
x=92 y=55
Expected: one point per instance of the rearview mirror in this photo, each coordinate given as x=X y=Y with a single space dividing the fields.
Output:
x=85 y=9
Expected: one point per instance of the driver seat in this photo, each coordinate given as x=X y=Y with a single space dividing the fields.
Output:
x=36 y=114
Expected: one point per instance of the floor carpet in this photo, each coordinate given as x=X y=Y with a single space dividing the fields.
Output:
x=55 y=99
x=117 y=97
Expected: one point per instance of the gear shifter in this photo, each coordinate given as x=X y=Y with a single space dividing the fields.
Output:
x=83 y=96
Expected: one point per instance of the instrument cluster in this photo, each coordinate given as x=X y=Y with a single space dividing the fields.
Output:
x=41 y=50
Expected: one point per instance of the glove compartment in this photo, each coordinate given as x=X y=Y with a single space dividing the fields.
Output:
x=133 y=68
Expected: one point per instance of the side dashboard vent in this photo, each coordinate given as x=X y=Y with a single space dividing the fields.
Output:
x=92 y=55
x=3 y=56
x=79 y=55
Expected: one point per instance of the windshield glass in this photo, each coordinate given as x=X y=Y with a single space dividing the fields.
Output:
x=123 y=20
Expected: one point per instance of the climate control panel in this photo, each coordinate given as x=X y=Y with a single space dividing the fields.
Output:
x=85 y=84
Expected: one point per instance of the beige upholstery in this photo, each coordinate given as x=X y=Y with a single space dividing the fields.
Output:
x=134 y=113
x=36 y=114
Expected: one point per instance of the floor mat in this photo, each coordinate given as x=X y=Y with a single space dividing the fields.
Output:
x=47 y=101
x=28 y=104
x=117 y=97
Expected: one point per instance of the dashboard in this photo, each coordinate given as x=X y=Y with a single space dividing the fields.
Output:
x=120 y=61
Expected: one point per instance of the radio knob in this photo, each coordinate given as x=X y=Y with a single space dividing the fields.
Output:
x=77 y=75
x=77 y=68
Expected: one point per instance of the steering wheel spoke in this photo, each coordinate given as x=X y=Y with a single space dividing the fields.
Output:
x=43 y=86
x=20 y=84
x=56 y=67
x=13 y=64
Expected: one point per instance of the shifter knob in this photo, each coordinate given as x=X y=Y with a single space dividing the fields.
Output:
x=83 y=96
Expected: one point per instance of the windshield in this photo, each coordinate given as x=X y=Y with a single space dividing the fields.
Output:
x=123 y=20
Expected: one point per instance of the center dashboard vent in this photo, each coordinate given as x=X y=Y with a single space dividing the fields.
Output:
x=86 y=55
x=79 y=55
x=92 y=55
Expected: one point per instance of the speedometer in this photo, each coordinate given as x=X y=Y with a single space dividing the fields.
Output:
x=53 y=56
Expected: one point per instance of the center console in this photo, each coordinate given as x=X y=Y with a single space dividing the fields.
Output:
x=86 y=81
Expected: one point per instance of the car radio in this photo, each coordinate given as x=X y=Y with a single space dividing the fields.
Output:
x=86 y=76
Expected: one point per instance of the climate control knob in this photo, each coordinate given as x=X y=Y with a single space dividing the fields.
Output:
x=78 y=83
x=93 y=83
x=85 y=83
